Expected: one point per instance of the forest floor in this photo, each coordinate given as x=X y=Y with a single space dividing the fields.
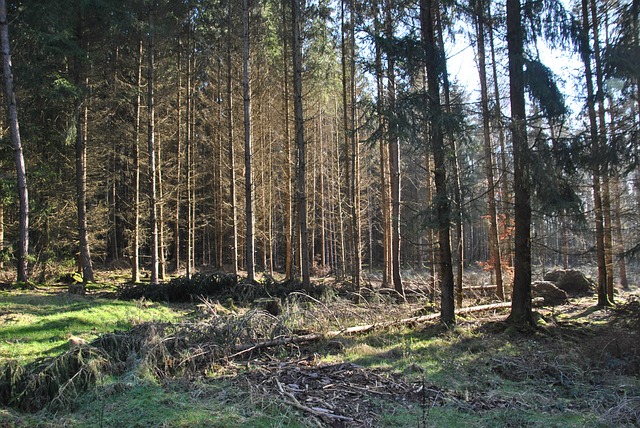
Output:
x=580 y=368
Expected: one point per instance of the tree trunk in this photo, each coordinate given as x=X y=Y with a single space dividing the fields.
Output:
x=178 y=201
x=602 y=142
x=507 y=254
x=248 y=178
x=585 y=51
x=488 y=152
x=82 y=82
x=135 y=250
x=300 y=143
x=394 y=159
x=288 y=203
x=231 y=152
x=153 y=217
x=428 y=10
x=457 y=192
x=521 y=312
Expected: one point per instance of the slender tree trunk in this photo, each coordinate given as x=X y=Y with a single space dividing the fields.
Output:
x=602 y=142
x=457 y=192
x=289 y=265
x=161 y=253
x=21 y=177
x=521 y=311
x=135 y=251
x=178 y=201
x=624 y=282
x=384 y=162
x=300 y=143
x=595 y=143
x=488 y=152
x=394 y=159
x=231 y=153
x=248 y=154
x=428 y=11
x=189 y=158
x=153 y=216
x=506 y=202
x=82 y=82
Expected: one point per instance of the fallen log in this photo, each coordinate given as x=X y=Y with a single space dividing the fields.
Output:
x=313 y=337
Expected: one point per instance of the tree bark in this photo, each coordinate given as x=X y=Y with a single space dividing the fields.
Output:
x=585 y=52
x=82 y=82
x=248 y=154
x=153 y=216
x=428 y=10
x=488 y=151
x=300 y=143
x=231 y=152
x=394 y=158
x=135 y=244
x=521 y=311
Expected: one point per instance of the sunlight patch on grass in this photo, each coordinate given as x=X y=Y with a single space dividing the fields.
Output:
x=37 y=325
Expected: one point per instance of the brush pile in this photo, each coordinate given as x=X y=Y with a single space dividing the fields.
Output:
x=219 y=285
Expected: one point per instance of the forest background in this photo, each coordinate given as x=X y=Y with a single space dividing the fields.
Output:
x=322 y=137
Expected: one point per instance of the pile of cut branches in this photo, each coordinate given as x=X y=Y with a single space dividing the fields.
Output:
x=219 y=285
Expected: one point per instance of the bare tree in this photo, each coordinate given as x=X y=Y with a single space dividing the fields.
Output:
x=23 y=194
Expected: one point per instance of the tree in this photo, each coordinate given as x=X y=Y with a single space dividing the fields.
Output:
x=479 y=17
x=443 y=208
x=521 y=311
x=248 y=151
x=301 y=147
x=21 y=178
x=151 y=147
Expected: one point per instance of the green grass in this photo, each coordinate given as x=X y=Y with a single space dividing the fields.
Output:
x=486 y=375
x=34 y=325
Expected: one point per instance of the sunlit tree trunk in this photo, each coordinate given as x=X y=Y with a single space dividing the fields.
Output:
x=602 y=143
x=394 y=158
x=248 y=151
x=488 y=151
x=135 y=250
x=231 y=150
x=497 y=116
x=21 y=178
x=153 y=216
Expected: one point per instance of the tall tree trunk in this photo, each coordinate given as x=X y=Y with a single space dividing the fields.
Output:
x=21 y=177
x=394 y=158
x=300 y=143
x=248 y=178
x=153 y=216
x=457 y=192
x=189 y=158
x=521 y=311
x=288 y=203
x=82 y=82
x=488 y=151
x=585 y=51
x=384 y=186
x=506 y=202
x=135 y=250
x=81 y=190
x=602 y=142
x=162 y=272
x=231 y=151
x=178 y=201
x=428 y=11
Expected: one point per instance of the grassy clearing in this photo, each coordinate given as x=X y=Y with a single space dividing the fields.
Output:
x=37 y=324
x=581 y=369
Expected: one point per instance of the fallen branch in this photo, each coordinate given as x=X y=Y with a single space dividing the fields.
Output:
x=359 y=329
